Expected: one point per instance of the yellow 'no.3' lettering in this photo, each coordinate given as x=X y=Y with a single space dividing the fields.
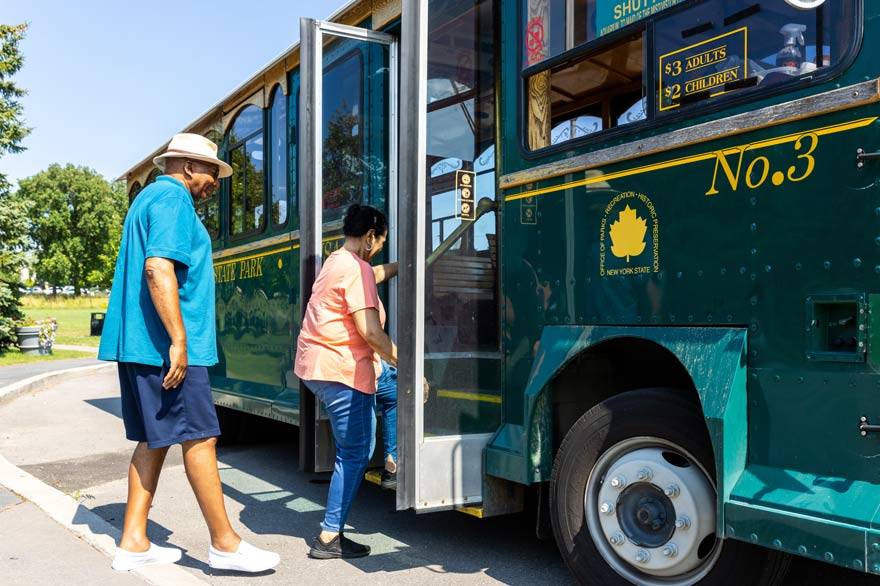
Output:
x=758 y=170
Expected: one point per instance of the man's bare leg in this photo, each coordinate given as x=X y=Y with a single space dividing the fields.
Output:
x=200 y=461
x=143 y=477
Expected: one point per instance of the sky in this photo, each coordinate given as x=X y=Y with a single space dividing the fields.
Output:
x=108 y=82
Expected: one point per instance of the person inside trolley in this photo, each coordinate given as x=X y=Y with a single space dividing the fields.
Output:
x=346 y=359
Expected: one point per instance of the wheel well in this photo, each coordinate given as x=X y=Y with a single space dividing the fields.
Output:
x=610 y=368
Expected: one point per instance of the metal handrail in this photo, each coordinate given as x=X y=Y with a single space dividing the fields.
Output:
x=484 y=206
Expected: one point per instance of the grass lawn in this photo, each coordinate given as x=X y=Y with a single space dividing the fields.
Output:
x=73 y=315
x=16 y=357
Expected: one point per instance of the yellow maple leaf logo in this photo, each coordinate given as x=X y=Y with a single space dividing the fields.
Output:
x=628 y=234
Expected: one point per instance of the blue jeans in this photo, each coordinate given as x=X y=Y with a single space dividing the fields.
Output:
x=386 y=402
x=353 y=421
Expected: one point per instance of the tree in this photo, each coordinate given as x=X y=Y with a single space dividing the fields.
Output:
x=75 y=221
x=12 y=210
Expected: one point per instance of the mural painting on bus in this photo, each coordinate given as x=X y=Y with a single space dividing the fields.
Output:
x=254 y=321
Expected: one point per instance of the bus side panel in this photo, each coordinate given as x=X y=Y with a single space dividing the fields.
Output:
x=255 y=293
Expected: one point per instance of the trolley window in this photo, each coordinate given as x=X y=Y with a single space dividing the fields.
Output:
x=209 y=213
x=134 y=191
x=278 y=156
x=716 y=48
x=343 y=124
x=595 y=79
x=152 y=176
x=247 y=192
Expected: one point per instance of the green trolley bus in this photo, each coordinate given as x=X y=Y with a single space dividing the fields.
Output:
x=640 y=265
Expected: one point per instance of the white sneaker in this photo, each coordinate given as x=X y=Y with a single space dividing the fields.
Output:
x=125 y=560
x=247 y=559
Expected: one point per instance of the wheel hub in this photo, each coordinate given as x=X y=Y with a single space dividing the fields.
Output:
x=649 y=508
x=646 y=515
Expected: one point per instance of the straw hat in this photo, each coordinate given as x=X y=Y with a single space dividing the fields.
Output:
x=194 y=147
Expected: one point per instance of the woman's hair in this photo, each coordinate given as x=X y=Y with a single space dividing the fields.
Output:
x=360 y=219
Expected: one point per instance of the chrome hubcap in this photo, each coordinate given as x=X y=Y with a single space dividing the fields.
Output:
x=650 y=509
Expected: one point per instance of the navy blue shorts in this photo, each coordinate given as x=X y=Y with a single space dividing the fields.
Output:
x=163 y=418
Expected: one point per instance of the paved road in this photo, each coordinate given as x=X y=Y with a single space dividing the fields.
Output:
x=11 y=374
x=71 y=437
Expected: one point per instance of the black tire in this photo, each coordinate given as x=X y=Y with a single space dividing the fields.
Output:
x=660 y=413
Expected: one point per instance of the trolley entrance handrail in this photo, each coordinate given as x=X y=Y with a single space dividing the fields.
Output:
x=484 y=206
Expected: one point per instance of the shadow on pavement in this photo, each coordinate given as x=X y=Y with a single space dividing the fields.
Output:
x=111 y=405
x=262 y=475
x=284 y=501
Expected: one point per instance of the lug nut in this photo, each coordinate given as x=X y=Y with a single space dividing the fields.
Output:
x=645 y=474
x=642 y=556
x=672 y=491
x=618 y=482
x=671 y=550
x=682 y=523
x=606 y=508
x=617 y=539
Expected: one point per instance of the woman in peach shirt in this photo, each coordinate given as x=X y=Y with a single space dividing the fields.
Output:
x=339 y=357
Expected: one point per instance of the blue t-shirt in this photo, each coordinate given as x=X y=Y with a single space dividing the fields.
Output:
x=161 y=222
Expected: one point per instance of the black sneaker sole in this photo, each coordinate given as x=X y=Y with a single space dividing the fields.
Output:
x=319 y=554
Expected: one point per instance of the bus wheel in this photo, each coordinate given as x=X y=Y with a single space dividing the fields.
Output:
x=632 y=499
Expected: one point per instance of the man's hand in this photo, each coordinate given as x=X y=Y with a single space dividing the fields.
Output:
x=177 y=370
x=426 y=388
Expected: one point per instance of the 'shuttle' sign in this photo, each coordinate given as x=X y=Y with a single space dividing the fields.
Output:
x=616 y=14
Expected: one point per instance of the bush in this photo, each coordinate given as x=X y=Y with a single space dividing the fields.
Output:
x=10 y=315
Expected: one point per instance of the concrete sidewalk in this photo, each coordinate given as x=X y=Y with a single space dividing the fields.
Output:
x=34 y=549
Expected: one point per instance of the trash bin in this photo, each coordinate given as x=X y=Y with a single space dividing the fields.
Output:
x=97 y=325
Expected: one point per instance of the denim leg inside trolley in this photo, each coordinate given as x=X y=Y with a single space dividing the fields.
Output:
x=354 y=427
x=386 y=403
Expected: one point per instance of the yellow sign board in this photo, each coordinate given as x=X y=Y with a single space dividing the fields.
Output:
x=705 y=67
x=464 y=195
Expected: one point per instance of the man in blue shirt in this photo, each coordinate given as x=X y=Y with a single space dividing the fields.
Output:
x=160 y=328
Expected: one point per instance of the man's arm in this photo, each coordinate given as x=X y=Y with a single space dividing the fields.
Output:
x=367 y=323
x=385 y=272
x=162 y=284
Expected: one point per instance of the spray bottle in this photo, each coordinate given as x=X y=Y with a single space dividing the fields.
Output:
x=790 y=55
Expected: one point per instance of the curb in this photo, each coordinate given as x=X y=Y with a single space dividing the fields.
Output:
x=46 y=379
x=85 y=524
